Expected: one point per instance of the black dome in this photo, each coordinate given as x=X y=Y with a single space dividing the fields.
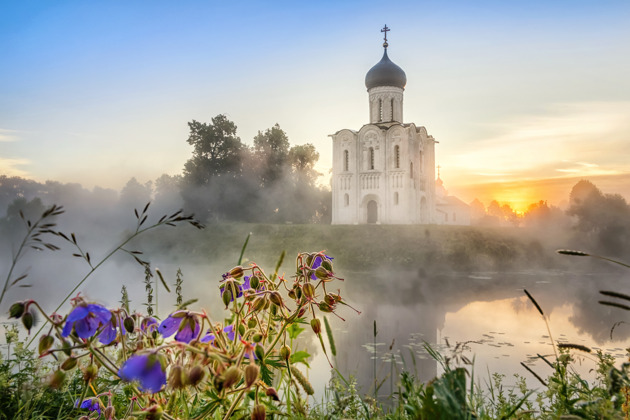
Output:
x=385 y=73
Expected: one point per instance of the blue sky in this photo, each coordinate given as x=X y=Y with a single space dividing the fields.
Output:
x=97 y=92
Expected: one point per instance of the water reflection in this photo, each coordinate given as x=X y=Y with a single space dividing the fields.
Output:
x=488 y=311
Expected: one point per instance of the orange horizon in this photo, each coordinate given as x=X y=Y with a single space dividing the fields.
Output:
x=519 y=194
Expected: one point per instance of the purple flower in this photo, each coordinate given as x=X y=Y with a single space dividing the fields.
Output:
x=91 y=404
x=149 y=324
x=209 y=337
x=86 y=320
x=184 y=323
x=317 y=262
x=109 y=332
x=146 y=369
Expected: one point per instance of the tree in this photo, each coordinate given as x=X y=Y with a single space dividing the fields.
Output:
x=302 y=160
x=271 y=150
x=134 y=195
x=216 y=151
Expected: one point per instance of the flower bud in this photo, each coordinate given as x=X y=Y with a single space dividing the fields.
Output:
x=241 y=329
x=302 y=312
x=90 y=372
x=231 y=376
x=251 y=322
x=129 y=324
x=251 y=374
x=258 y=413
x=274 y=309
x=292 y=294
x=45 y=343
x=236 y=272
x=84 y=418
x=195 y=375
x=28 y=320
x=330 y=299
x=276 y=298
x=257 y=338
x=316 y=325
x=254 y=282
x=271 y=392
x=175 y=377
x=259 y=351
x=69 y=363
x=65 y=345
x=285 y=352
x=326 y=264
x=110 y=411
x=309 y=290
x=16 y=310
x=55 y=380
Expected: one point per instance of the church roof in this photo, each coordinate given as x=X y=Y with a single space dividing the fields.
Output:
x=385 y=73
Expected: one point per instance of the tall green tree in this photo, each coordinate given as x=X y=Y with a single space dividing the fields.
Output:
x=217 y=151
x=271 y=149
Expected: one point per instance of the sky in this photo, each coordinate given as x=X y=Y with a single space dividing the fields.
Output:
x=524 y=97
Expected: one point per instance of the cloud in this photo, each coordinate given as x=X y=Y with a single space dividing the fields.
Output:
x=10 y=167
x=578 y=139
x=8 y=135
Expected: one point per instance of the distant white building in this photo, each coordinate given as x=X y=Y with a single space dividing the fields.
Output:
x=449 y=210
x=385 y=171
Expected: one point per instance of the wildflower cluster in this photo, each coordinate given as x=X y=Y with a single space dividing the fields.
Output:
x=229 y=368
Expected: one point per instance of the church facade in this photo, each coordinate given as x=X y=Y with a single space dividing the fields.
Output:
x=385 y=171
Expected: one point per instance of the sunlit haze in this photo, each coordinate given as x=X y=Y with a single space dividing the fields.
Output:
x=524 y=97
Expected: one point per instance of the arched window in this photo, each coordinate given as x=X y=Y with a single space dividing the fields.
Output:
x=411 y=170
x=371 y=158
x=420 y=163
x=346 y=200
x=392 y=110
x=346 y=160
x=396 y=198
x=397 y=156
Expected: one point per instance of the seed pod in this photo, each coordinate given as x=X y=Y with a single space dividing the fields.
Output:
x=316 y=325
x=259 y=303
x=66 y=347
x=241 y=329
x=302 y=312
x=84 y=418
x=69 y=363
x=56 y=379
x=276 y=298
x=90 y=372
x=254 y=282
x=322 y=273
x=226 y=296
x=251 y=374
x=195 y=375
x=274 y=309
x=327 y=264
x=258 y=413
x=231 y=376
x=251 y=322
x=175 y=377
x=28 y=320
x=16 y=310
x=309 y=290
x=324 y=307
x=236 y=272
x=45 y=343
x=330 y=299
x=129 y=324
x=285 y=352
x=110 y=411
x=260 y=352
x=271 y=392
x=292 y=294
x=250 y=294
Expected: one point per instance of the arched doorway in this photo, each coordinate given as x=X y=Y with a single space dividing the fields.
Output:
x=372 y=211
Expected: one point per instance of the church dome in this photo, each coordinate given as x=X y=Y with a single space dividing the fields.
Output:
x=385 y=73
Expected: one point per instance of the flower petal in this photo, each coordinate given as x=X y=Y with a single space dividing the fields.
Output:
x=169 y=326
x=78 y=313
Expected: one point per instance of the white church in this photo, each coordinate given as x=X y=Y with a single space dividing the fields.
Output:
x=385 y=172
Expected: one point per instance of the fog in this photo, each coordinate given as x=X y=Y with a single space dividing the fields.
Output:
x=416 y=282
